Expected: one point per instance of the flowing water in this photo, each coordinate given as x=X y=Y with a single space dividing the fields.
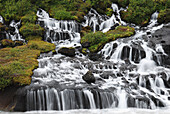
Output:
x=131 y=73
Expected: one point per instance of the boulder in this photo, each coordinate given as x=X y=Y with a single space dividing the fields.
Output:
x=95 y=56
x=89 y=77
x=68 y=51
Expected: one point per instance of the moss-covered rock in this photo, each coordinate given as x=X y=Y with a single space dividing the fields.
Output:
x=17 y=64
x=30 y=29
x=7 y=43
x=68 y=51
x=140 y=11
x=29 y=18
x=3 y=27
x=164 y=16
x=95 y=41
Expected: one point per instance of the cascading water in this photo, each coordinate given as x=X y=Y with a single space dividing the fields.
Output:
x=58 y=30
x=130 y=74
x=103 y=23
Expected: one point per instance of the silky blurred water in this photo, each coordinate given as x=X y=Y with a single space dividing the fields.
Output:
x=98 y=111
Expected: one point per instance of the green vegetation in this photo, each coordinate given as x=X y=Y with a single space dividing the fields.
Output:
x=140 y=11
x=7 y=43
x=164 y=16
x=16 y=64
x=30 y=29
x=97 y=40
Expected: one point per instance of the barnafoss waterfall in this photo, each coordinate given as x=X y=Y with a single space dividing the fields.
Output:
x=131 y=71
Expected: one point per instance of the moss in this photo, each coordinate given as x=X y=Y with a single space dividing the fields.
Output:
x=84 y=51
x=7 y=43
x=164 y=16
x=17 y=64
x=30 y=29
x=41 y=45
x=123 y=3
x=29 y=18
x=109 y=12
x=3 y=27
x=61 y=14
x=140 y=11
x=97 y=40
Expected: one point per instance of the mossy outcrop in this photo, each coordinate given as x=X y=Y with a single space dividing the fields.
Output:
x=95 y=41
x=17 y=64
x=164 y=16
x=140 y=11
x=30 y=29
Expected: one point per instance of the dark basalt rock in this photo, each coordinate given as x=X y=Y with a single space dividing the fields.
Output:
x=67 y=51
x=106 y=75
x=19 y=43
x=89 y=77
x=85 y=44
x=95 y=56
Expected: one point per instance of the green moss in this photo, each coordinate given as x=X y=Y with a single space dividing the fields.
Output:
x=29 y=18
x=61 y=14
x=164 y=16
x=17 y=64
x=41 y=45
x=123 y=3
x=30 y=29
x=140 y=11
x=7 y=43
x=84 y=51
x=97 y=40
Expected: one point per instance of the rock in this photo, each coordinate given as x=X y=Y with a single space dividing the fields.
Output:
x=67 y=51
x=89 y=77
x=19 y=43
x=94 y=56
x=106 y=74
x=7 y=43
x=85 y=44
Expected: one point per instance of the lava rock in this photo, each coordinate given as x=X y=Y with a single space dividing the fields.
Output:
x=89 y=77
x=95 y=56
x=106 y=75
x=67 y=51
x=85 y=44
x=19 y=43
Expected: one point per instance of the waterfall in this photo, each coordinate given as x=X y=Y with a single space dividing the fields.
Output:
x=59 y=30
x=16 y=35
x=1 y=19
x=131 y=73
x=103 y=23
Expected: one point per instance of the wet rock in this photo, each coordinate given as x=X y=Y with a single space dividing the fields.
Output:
x=106 y=74
x=67 y=51
x=85 y=44
x=89 y=77
x=19 y=43
x=125 y=52
x=95 y=56
x=113 y=27
x=7 y=43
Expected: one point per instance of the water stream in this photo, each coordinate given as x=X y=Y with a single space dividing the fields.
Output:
x=131 y=74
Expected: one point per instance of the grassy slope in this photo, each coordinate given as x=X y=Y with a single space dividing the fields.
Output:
x=17 y=64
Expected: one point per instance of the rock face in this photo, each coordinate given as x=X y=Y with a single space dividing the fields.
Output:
x=95 y=56
x=89 y=77
x=67 y=51
x=162 y=36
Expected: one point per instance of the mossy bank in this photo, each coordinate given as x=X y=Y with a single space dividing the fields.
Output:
x=95 y=41
x=17 y=64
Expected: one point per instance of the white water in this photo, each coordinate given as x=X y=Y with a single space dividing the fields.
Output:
x=129 y=76
x=104 y=23
x=1 y=19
